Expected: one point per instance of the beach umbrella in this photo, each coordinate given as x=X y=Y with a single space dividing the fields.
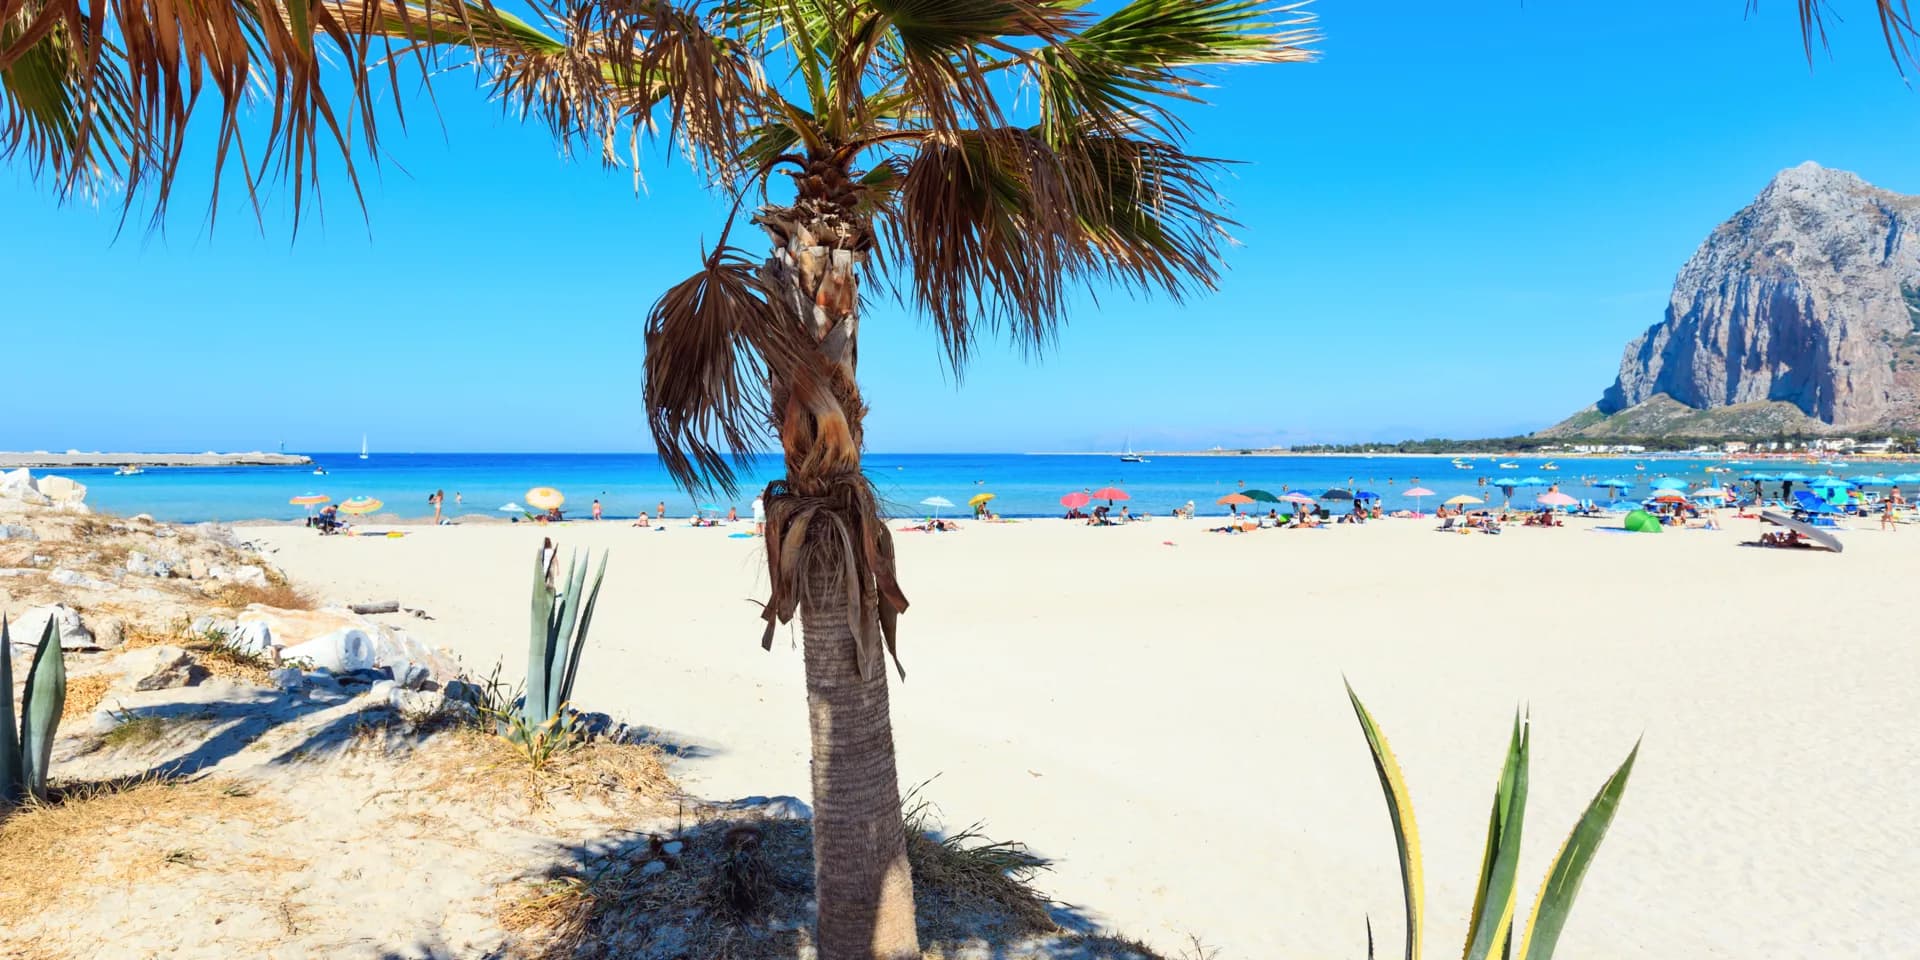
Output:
x=712 y=508
x=1906 y=478
x=1074 y=501
x=1463 y=500
x=1761 y=478
x=1869 y=481
x=1299 y=498
x=1234 y=500
x=1110 y=494
x=1830 y=483
x=545 y=498
x=1640 y=521
x=1366 y=495
x=1260 y=495
x=937 y=503
x=1806 y=530
x=512 y=508
x=1527 y=482
x=1416 y=493
x=359 y=505
x=1710 y=493
x=1555 y=499
x=309 y=500
x=1669 y=483
x=1336 y=494
x=1614 y=483
x=977 y=499
x=1668 y=496
x=1794 y=477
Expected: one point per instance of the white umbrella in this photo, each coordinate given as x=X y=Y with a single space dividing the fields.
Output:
x=937 y=503
x=513 y=508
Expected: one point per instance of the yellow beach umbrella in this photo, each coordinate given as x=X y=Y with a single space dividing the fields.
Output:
x=359 y=505
x=309 y=500
x=545 y=498
x=1463 y=500
x=978 y=499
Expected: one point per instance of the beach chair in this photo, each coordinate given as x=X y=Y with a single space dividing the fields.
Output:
x=1446 y=525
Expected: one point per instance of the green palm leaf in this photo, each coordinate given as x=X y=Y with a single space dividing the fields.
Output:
x=1570 y=865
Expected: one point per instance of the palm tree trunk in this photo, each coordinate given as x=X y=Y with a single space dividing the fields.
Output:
x=861 y=878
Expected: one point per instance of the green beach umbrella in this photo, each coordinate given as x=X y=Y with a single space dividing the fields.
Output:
x=1260 y=495
x=1640 y=521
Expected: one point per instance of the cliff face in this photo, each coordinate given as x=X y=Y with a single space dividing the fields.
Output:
x=1809 y=296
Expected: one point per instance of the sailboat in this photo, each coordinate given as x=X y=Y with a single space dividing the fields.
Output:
x=363 y=446
x=1130 y=456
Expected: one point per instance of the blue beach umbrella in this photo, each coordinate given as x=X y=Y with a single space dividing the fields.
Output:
x=1366 y=495
x=1669 y=483
x=1531 y=482
x=1906 y=478
x=1794 y=477
x=1761 y=478
x=1870 y=481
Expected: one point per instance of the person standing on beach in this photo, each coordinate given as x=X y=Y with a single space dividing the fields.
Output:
x=661 y=510
x=437 y=498
x=733 y=513
x=759 y=516
x=596 y=509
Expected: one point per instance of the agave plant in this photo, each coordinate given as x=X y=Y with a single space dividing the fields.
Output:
x=1491 y=933
x=27 y=750
x=562 y=614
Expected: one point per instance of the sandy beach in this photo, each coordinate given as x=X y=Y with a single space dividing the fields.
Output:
x=1161 y=710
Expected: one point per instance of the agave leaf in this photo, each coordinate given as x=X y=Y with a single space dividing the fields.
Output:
x=580 y=636
x=1406 y=835
x=534 y=701
x=558 y=650
x=1570 y=866
x=40 y=710
x=9 y=736
x=1493 y=902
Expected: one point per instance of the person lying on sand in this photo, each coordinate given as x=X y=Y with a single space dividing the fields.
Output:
x=641 y=521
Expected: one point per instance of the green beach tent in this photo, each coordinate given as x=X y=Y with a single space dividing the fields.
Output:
x=1640 y=521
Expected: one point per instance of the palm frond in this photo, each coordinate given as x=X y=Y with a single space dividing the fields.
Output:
x=1896 y=25
x=1120 y=73
x=716 y=343
x=989 y=230
x=944 y=53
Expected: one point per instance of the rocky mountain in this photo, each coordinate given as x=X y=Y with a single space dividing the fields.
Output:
x=1800 y=313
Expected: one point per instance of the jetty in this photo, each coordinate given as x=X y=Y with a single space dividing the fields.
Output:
x=42 y=460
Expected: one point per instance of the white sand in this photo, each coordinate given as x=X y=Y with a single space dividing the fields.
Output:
x=1169 y=722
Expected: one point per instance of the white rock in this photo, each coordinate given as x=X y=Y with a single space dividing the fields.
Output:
x=17 y=571
x=14 y=531
x=774 y=808
x=61 y=490
x=253 y=637
x=287 y=678
x=74 y=634
x=383 y=690
x=159 y=668
x=74 y=578
x=654 y=868
x=342 y=651
x=416 y=706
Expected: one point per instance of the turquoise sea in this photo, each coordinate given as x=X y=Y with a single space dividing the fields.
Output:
x=1024 y=484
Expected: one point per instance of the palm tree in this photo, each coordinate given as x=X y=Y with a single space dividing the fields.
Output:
x=983 y=157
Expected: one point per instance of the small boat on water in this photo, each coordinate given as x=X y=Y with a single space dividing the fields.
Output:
x=130 y=470
x=1639 y=466
x=1130 y=456
x=1509 y=466
x=363 y=446
x=1549 y=465
x=319 y=471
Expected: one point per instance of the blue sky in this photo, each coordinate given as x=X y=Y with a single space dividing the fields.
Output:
x=1450 y=225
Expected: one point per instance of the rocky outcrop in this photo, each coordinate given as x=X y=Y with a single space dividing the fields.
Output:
x=1809 y=296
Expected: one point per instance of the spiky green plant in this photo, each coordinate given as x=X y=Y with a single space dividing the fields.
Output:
x=562 y=614
x=26 y=751
x=1491 y=933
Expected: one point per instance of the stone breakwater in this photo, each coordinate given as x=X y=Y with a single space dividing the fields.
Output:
x=41 y=460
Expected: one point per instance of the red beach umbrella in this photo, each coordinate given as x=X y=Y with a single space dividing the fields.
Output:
x=1110 y=494
x=1232 y=499
x=1074 y=501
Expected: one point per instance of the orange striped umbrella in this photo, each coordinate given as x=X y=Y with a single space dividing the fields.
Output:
x=1234 y=499
x=358 y=505
x=310 y=500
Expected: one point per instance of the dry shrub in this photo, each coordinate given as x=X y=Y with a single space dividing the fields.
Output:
x=84 y=694
x=276 y=593
x=87 y=835
x=141 y=635
x=963 y=881
x=497 y=770
x=222 y=659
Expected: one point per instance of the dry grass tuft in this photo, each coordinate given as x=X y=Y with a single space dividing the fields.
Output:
x=88 y=834
x=85 y=692
x=135 y=731
x=962 y=879
x=141 y=635
x=213 y=651
x=277 y=593
x=498 y=770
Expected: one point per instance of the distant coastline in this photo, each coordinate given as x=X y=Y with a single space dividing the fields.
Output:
x=42 y=460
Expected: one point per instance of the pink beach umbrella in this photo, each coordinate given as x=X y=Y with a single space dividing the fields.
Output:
x=1074 y=501
x=1416 y=493
x=1554 y=498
